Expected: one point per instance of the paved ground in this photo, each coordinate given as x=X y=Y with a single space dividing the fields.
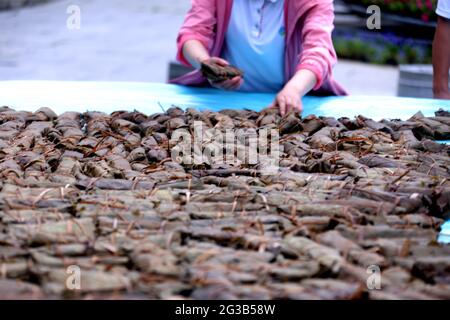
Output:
x=121 y=41
x=367 y=79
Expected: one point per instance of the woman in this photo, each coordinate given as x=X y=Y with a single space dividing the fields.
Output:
x=282 y=46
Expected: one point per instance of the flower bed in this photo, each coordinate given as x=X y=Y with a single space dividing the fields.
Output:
x=420 y=9
x=381 y=48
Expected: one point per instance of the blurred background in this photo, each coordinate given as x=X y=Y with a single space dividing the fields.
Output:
x=134 y=40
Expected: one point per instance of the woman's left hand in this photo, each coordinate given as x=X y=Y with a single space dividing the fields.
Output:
x=288 y=99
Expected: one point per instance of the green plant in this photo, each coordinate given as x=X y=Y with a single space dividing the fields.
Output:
x=420 y=9
x=381 y=48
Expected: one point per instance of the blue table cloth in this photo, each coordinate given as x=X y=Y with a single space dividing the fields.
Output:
x=151 y=97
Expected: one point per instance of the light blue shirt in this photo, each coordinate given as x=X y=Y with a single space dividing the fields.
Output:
x=255 y=43
x=443 y=8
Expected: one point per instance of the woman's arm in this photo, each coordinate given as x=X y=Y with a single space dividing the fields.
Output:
x=318 y=54
x=316 y=60
x=441 y=59
x=196 y=37
x=198 y=25
x=195 y=53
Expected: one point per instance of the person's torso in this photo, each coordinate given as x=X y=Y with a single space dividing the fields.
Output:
x=255 y=42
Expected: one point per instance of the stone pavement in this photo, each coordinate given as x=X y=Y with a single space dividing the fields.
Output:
x=122 y=41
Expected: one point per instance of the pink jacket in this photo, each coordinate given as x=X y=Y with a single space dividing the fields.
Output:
x=309 y=24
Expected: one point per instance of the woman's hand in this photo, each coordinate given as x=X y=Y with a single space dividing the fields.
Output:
x=290 y=98
x=231 y=84
x=196 y=53
x=442 y=95
x=287 y=100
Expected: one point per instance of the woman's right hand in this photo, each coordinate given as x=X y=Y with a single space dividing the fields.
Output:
x=196 y=53
x=231 y=84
